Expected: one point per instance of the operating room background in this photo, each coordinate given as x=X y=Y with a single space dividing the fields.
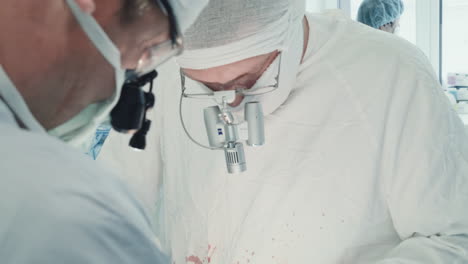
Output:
x=438 y=27
x=419 y=25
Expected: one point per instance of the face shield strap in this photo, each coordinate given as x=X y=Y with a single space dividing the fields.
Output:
x=96 y=34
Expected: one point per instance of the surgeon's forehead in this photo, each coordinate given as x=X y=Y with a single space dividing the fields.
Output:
x=228 y=72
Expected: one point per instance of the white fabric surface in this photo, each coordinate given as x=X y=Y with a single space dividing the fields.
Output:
x=58 y=206
x=364 y=157
x=248 y=28
x=186 y=11
x=364 y=163
x=142 y=169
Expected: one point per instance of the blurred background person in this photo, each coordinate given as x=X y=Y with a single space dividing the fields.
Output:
x=381 y=14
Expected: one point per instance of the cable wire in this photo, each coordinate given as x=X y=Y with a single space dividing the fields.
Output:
x=185 y=128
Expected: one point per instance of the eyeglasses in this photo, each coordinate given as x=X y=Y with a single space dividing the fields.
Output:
x=159 y=54
x=238 y=91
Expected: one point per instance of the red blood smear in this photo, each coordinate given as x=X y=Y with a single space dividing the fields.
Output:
x=193 y=259
x=209 y=259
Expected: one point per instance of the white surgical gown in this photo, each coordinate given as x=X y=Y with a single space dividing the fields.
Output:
x=364 y=163
x=58 y=206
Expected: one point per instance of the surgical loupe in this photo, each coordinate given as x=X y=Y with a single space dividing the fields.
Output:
x=225 y=133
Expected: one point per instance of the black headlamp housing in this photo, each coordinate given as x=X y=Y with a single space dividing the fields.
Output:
x=129 y=114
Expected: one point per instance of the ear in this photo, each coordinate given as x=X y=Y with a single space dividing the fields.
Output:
x=88 y=6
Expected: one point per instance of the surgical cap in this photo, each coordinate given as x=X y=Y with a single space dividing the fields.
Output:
x=186 y=11
x=232 y=30
x=376 y=13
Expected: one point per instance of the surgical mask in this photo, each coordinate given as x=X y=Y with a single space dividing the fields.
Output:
x=78 y=131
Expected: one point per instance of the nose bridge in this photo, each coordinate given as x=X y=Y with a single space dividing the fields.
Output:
x=243 y=82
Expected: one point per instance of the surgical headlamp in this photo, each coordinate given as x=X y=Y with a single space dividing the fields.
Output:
x=129 y=114
x=223 y=131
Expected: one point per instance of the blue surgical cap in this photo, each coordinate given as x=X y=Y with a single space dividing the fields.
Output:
x=376 y=13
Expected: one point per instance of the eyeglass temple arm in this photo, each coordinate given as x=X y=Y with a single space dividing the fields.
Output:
x=174 y=32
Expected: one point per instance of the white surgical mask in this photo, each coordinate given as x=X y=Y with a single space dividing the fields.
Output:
x=79 y=130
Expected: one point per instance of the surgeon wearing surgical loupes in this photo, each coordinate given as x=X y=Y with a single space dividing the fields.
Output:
x=237 y=109
x=62 y=68
x=363 y=162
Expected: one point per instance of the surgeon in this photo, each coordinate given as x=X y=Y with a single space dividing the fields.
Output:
x=62 y=69
x=381 y=14
x=363 y=162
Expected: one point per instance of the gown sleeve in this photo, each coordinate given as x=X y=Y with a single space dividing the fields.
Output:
x=425 y=163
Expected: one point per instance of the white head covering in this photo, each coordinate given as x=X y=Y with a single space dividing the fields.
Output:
x=187 y=11
x=232 y=30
